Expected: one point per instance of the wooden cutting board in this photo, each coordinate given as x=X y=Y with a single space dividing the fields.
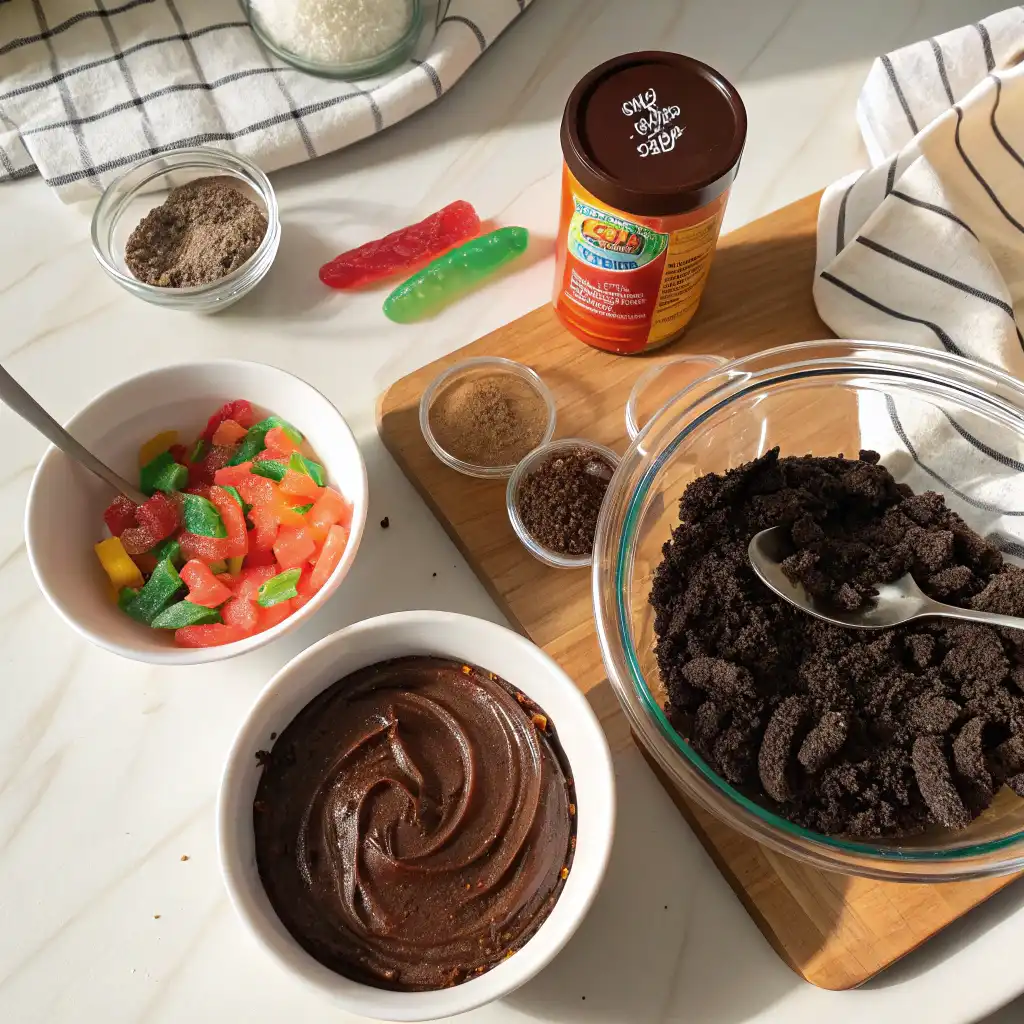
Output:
x=834 y=931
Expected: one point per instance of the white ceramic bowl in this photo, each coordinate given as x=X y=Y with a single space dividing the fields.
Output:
x=461 y=637
x=64 y=513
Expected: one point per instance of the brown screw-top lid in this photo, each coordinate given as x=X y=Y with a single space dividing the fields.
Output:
x=654 y=133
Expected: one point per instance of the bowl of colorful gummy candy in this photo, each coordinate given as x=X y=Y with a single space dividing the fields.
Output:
x=256 y=502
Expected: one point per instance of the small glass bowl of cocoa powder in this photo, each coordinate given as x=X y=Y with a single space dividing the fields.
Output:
x=484 y=415
x=554 y=498
x=227 y=259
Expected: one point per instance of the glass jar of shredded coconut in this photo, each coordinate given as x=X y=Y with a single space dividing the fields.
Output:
x=338 y=38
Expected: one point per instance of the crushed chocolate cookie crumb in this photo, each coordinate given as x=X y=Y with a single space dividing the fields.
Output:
x=560 y=500
x=842 y=731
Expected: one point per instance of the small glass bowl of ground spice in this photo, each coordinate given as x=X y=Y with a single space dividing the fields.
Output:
x=485 y=415
x=554 y=498
x=193 y=229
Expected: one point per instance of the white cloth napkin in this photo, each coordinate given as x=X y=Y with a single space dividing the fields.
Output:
x=88 y=87
x=927 y=248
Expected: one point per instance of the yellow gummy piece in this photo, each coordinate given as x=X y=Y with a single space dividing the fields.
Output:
x=117 y=564
x=216 y=567
x=157 y=446
x=235 y=565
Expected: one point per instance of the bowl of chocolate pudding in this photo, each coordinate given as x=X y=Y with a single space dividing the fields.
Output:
x=416 y=814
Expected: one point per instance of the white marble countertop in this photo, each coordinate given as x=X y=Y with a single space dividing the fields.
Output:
x=108 y=769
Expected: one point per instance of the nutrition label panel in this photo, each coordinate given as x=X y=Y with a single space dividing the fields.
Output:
x=611 y=299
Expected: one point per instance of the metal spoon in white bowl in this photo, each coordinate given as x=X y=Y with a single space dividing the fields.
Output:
x=16 y=398
x=896 y=603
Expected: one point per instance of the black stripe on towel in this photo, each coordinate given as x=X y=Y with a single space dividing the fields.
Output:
x=65 y=96
x=941 y=211
x=471 y=25
x=996 y=456
x=49 y=33
x=995 y=128
x=947 y=342
x=60 y=76
x=937 y=50
x=895 y=82
x=193 y=57
x=126 y=75
x=200 y=140
x=977 y=174
x=902 y=434
x=890 y=178
x=841 y=221
x=986 y=45
x=431 y=72
x=870 y=243
x=156 y=94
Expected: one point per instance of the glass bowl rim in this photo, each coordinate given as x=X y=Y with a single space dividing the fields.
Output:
x=498 y=364
x=758 y=821
x=112 y=205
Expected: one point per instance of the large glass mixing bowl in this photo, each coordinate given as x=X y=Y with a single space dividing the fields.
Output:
x=940 y=422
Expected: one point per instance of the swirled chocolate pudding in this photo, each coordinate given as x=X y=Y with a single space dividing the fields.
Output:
x=414 y=823
x=843 y=731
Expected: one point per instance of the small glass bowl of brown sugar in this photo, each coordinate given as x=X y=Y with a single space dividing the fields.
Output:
x=554 y=498
x=192 y=229
x=484 y=415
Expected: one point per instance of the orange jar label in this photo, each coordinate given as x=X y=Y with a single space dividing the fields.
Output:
x=627 y=283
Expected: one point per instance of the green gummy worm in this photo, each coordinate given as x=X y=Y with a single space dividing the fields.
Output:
x=453 y=274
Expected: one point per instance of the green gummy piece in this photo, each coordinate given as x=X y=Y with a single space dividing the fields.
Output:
x=183 y=613
x=125 y=597
x=255 y=439
x=313 y=470
x=278 y=588
x=169 y=548
x=201 y=516
x=197 y=451
x=155 y=473
x=233 y=491
x=454 y=273
x=302 y=509
x=270 y=468
x=172 y=478
x=160 y=591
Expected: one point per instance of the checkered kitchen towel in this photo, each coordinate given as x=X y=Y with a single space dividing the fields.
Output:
x=88 y=87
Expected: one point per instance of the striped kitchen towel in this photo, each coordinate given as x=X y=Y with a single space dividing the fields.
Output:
x=927 y=248
x=88 y=87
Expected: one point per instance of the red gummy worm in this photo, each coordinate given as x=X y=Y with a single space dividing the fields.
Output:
x=405 y=249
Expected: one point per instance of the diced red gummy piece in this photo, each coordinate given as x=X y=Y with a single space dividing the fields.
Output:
x=328 y=509
x=201 y=473
x=259 y=557
x=146 y=562
x=299 y=486
x=241 y=613
x=330 y=556
x=232 y=476
x=293 y=547
x=214 y=635
x=405 y=249
x=120 y=515
x=256 y=490
x=179 y=453
x=278 y=445
x=230 y=432
x=304 y=588
x=239 y=410
x=252 y=579
x=203 y=587
x=265 y=527
x=158 y=518
x=267 y=618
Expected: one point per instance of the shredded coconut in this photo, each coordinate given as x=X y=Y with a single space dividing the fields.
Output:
x=334 y=31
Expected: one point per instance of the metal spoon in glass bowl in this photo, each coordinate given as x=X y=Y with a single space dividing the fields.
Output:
x=16 y=398
x=896 y=603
